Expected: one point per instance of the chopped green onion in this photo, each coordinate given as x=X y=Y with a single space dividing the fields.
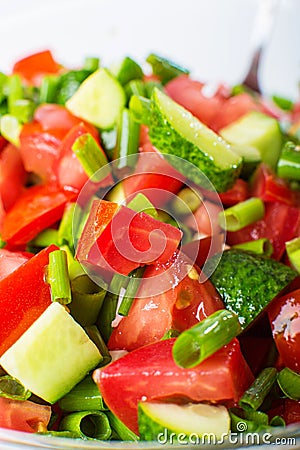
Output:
x=87 y=300
x=11 y=388
x=15 y=90
x=131 y=290
x=289 y=162
x=186 y=201
x=277 y=421
x=140 y=203
x=289 y=383
x=140 y=107
x=170 y=334
x=124 y=433
x=284 y=103
x=90 y=155
x=135 y=87
x=261 y=246
x=127 y=70
x=89 y=424
x=91 y=63
x=68 y=83
x=23 y=110
x=84 y=396
x=48 y=89
x=128 y=136
x=205 y=338
x=109 y=141
x=10 y=128
x=65 y=235
x=3 y=84
x=293 y=252
x=45 y=238
x=94 y=334
x=58 y=277
x=2 y=243
x=254 y=396
x=150 y=85
x=248 y=421
x=242 y=214
x=74 y=267
x=109 y=308
x=164 y=68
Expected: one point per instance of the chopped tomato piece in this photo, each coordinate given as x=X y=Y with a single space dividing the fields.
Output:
x=238 y=193
x=23 y=415
x=151 y=373
x=280 y=224
x=205 y=219
x=153 y=176
x=37 y=208
x=12 y=175
x=24 y=296
x=116 y=238
x=266 y=185
x=284 y=316
x=34 y=66
x=191 y=95
x=178 y=308
x=10 y=261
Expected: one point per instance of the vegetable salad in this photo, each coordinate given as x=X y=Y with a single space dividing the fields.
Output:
x=150 y=253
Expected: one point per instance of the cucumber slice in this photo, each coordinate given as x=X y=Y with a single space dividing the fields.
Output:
x=247 y=282
x=52 y=356
x=159 y=421
x=255 y=137
x=175 y=131
x=98 y=100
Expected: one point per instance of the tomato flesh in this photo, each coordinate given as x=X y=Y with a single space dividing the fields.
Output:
x=12 y=175
x=24 y=296
x=23 y=415
x=284 y=316
x=150 y=373
x=34 y=66
x=10 y=261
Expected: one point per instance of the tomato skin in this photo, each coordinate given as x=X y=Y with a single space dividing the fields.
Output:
x=153 y=177
x=10 y=261
x=190 y=94
x=238 y=193
x=23 y=415
x=37 y=208
x=34 y=66
x=12 y=175
x=18 y=310
x=266 y=185
x=284 y=317
x=179 y=308
x=41 y=141
x=150 y=373
x=280 y=224
x=117 y=238
x=205 y=219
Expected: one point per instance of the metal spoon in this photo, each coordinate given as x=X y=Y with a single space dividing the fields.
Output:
x=263 y=24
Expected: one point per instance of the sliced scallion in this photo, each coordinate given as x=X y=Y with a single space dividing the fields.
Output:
x=164 y=68
x=128 y=135
x=15 y=90
x=91 y=63
x=74 y=267
x=94 y=334
x=242 y=214
x=261 y=246
x=89 y=424
x=65 y=235
x=140 y=203
x=254 y=396
x=90 y=155
x=11 y=388
x=58 y=277
x=48 y=89
x=87 y=300
x=124 y=433
x=248 y=421
x=10 y=128
x=293 y=252
x=131 y=290
x=23 y=110
x=135 y=87
x=127 y=70
x=186 y=201
x=140 y=107
x=84 y=396
x=205 y=338
x=45 y=238
x=289 y=162
x=289 y=383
